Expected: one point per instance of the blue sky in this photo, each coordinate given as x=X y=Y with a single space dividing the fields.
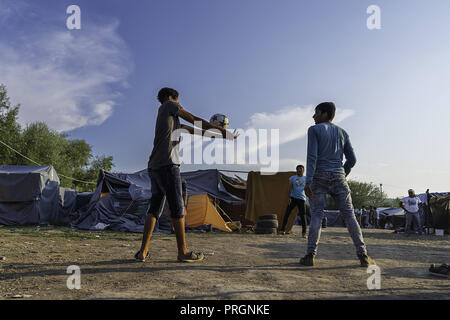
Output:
x=263 y=63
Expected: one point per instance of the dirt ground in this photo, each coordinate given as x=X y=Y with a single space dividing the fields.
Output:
x=237 y=266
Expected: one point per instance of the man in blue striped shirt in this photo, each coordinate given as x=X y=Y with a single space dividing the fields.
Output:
x=325 y=174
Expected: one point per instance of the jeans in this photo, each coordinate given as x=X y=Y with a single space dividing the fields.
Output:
x=336 y=185
x=301 y=212
x=166 y=185
x=412 y=219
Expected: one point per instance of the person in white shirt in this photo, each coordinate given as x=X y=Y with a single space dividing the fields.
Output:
x=411 y=206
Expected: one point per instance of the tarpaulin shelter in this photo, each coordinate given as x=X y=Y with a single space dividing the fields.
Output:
x=392 y=216
x=68 y=204
x=268 y=194
x=237 y=187
x=201 y=211
x=29 y=195
x=209 y=182
x=434 y=217
x=121 y=201
x=440 y=212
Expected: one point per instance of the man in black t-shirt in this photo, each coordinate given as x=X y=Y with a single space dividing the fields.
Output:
x=164 y=171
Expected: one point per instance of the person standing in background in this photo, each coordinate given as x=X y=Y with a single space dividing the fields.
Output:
x=297 y=198
x=411 y=206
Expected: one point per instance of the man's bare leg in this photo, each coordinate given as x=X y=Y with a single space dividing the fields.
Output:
x=150 y=222
x=178 y=225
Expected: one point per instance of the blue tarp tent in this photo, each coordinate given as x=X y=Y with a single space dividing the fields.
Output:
x=121 y=200
x=29 y=195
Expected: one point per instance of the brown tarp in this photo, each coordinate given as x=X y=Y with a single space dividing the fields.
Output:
x=268 y=194
x=440 y=211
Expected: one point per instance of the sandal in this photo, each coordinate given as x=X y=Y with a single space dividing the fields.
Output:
x=193 y=257
x=441 y=271
x=136 y=256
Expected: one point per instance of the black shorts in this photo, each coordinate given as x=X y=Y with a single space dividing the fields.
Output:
x=166 y=186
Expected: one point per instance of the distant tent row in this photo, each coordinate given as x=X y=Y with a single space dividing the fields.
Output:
x=32 y=195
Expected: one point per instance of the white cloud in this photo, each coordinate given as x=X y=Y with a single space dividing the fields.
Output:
x=63 y=77
x=292 y=121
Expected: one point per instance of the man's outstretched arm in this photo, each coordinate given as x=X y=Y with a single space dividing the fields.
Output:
x=196 y=131
x=205 y=125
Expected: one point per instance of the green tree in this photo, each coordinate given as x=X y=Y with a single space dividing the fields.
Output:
x=9 y=128
x=363 y=194
x=91 y=172
x=72 y=159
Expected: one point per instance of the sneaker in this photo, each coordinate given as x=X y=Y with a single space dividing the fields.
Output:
x=366 y=260
x=281 y=232
x=307 y=260
x=303 y=235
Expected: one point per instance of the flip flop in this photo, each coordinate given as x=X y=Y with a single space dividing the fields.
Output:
x=136 y=256
x=441 y=271
x=193 y=257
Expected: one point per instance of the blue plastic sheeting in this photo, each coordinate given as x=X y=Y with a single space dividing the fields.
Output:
x=391 y=211
x=125 y=205
x=29 y=195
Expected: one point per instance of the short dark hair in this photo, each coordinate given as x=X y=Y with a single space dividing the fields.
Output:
x=300 y=166
x=165 y=93
x=327 y=107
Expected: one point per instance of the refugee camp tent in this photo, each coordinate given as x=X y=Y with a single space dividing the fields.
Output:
x=29 y=195
x=440 y=212
x=237 y=187
x=268 y=194
x=201 y=211
x=121 y=201
x=68 y=202
x=209 y=182
x=392 y=216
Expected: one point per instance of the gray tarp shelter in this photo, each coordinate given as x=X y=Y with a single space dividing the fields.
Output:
x=29 y=195
x=68 y=204
x=121 y=200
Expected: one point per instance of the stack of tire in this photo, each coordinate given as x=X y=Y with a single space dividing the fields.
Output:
x=267 y=224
